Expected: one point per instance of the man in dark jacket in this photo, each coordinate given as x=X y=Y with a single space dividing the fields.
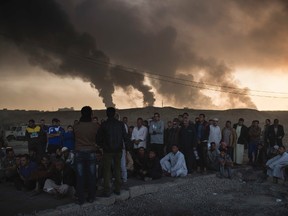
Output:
x=202 y=132
x=173 y=136
x=187 y=143
x=153 y=167
x=110 y=137
x=242 y=140
x=275 y=134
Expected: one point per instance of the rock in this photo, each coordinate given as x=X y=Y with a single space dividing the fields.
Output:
x=124 y=195
x=105 y=201
x=136 y=191
x=88 y=207
x=68 y=209
x=153 y=188
x=49 y=212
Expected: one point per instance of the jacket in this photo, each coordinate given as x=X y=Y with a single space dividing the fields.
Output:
x=275 y=138
x=66 y=176
x=243 y=138
x=85 y=136
x=202 y=131
x=187 y=138
x=111 y=136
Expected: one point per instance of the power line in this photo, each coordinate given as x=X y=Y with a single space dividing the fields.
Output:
x=142 y=72
x=152 y=76
x=167 y=78
x=185 y=80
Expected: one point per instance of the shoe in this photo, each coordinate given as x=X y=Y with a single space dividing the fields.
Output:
x=218 y=175
x=79 y=202
x=116 y=192
x=60 y=196
x=18 y=188
x=205 y=170
x=105 y=194
x=147 y=179
x=36 y=193
x=90 y=200
x=167 y=174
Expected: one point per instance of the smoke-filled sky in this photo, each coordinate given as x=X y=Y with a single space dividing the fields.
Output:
x=209 y=54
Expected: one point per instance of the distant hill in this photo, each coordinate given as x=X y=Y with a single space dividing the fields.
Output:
x=9 y=117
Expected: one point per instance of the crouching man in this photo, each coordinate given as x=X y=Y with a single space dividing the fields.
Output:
x=225 y=164
x=62 y=180
x=173 y=164
x=275 y=165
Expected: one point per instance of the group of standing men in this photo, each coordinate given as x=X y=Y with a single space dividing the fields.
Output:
x=193 y=139
x=87 y=136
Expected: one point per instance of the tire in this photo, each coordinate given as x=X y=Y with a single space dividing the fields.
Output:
x=10 y=138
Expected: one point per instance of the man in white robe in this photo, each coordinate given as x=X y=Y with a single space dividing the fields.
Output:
x=242 y=140
x=275 y=165
x=215 y=134
x=139 y=135
x=174 y=163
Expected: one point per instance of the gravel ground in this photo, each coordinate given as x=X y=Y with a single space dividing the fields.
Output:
x=196 y=195
x=206 y=195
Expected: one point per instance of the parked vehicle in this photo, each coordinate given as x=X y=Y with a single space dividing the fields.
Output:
x=16 y=133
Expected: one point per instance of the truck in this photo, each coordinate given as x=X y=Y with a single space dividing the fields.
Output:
x=16 y=133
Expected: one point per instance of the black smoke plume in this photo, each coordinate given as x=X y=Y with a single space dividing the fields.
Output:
x=42 y=30
x=145 y=37
x=149 y=41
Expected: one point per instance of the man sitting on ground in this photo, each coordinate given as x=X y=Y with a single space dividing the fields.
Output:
x=173 y=164
x=66 y=155
x=153 y=167
x=140 y=162
x=9 y=169
x=213 y=154
x=62 y=180
x=25 y=174
x=43 y=172
x=275 y=164
x=225 y=163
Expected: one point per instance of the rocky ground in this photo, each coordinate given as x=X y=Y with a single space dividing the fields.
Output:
x=248 y=193
x=206 y=195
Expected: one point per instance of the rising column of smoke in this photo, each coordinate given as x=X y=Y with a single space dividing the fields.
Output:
x=154 y=47
x=221 y=74
x=42 y=31
x=124 y=78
